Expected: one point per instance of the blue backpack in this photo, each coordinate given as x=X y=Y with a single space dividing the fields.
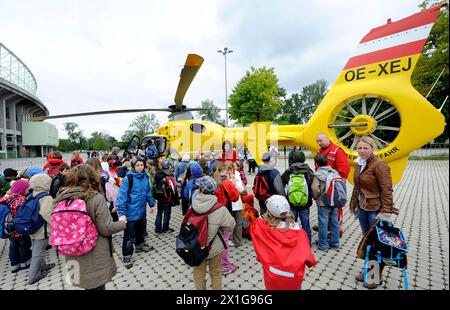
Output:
x=28 y=220
x=5 y=218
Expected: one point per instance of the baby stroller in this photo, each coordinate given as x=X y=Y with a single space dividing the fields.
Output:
x=386 y=245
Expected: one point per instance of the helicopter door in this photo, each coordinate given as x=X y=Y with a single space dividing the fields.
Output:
x=160 y=143
x=133 y=145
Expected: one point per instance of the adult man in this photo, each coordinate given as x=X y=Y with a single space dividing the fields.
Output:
x=337 y=159
x=268 y=181
x=291 y=155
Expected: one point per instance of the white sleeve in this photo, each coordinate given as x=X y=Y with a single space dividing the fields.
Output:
x=239 y=185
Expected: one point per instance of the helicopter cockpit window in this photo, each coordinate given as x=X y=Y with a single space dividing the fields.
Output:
x=197 y=128
x=160 y=145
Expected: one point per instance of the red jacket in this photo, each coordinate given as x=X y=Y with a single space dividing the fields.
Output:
x=230 y=156
x=283 y=254
x=13 y=207
x=337 y=159
x=231 y=190
x=53 y=166
x=76 y=161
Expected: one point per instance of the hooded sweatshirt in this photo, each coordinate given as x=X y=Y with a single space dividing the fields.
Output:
x=218 y=221
x=275 y=177
x=283 y=254
x=41 y=183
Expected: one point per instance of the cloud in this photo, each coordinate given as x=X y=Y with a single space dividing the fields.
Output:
x=102 y=55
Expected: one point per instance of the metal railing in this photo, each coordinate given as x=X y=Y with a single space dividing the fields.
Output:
x=14 y=71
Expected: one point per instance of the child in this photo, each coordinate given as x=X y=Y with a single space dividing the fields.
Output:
x=76 y=159
x=281 y=246
x=19 y=246
x=326 y=213
x=236 y=206
x=180 y=170
x=218 y=221
x=132 y=203
x=54 y=163
x=40 y=185
x=226 y=194
x=58 y=181
x=239 y=167
x=249 y=214
x=9 y=176
x=193 y=173
x=295 y=178
x=165 y=193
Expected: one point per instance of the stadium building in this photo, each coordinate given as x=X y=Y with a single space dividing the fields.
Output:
x=19 y=137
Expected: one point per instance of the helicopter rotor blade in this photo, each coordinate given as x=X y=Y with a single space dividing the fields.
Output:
x=190 y=69
x=41 y=118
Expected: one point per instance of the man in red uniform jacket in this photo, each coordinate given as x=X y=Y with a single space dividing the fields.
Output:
x=337 y=159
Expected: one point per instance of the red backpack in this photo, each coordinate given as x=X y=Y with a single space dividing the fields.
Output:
x=261 y=187
x=191 y=242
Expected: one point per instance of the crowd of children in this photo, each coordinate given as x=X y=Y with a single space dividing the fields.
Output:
x=116 y=191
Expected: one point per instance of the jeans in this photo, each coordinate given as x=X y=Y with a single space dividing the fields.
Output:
x=164 y=210
x=251 y=165
x=367 y=219
x=328 y=215
x=134 y=231
x=20 y=251
x=184 y=205
x=304 y=219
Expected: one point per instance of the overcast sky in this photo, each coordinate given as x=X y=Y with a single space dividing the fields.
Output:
x=101 y=55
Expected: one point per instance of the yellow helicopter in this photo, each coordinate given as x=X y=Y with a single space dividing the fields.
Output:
x=372 y=96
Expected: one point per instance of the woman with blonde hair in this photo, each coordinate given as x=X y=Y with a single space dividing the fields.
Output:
x=372 y=191
x=97 y=267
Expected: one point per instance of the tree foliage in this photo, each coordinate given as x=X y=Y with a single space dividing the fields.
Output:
x=258 y=90
x=212 y=114
x=142 y=125
x=299 y=107
x=433 y=60
x=75 y=136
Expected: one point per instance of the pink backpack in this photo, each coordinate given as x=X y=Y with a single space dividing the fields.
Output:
x=73 y=232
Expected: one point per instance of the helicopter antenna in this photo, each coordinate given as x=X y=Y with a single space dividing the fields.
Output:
x=435 y=83
x=445 y=100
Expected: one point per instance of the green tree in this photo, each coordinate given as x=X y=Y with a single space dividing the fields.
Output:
x=258 y=91
x=212 y=114
x=75 y=136
x=433 y=60
x=100 y=143
x=142 y=125
x=63 y=145
x=299 y=108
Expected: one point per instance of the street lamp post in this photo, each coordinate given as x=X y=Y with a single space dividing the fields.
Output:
x=224 y=53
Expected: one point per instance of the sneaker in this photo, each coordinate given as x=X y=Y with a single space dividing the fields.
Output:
x=335 y=247
x=146 y=248
x=49 y=266
x=360 y=277
x=128 y=262
x=231 y=243
x=15 y=269
x=25 y=267
x=44 y=273
x=315 y=228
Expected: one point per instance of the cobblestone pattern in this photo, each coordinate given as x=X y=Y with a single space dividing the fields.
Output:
x=422 y=197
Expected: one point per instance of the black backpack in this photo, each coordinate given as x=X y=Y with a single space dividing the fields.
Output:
x=194 y=228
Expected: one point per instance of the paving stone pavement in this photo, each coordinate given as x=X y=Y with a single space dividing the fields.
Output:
x=422 y=198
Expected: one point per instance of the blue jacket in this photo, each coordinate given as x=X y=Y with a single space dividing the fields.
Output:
x=180 y=169
x=135 y=208
x=152 y=151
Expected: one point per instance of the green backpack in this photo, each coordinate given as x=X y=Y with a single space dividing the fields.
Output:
x=298 y=190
